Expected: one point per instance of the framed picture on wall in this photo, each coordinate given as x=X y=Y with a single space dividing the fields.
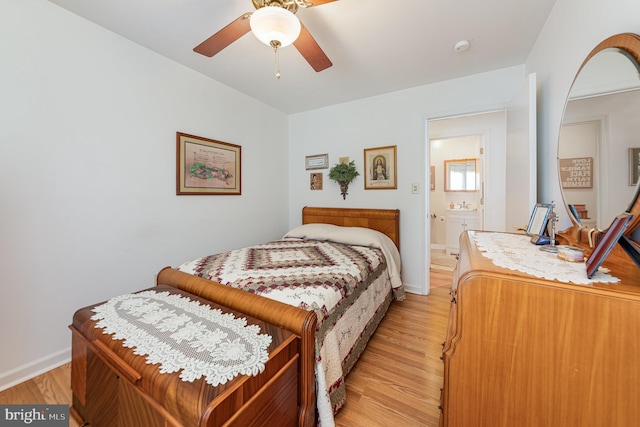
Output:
x=206 y=166
x=380 y=168
x=315 y=181
x=634 y=165
x=317 y=161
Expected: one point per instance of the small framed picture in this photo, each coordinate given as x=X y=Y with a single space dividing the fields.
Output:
x=608 y=241
x=634 y=165
x=315 y=181
x=380 y=168
x=539 y=219
x=317 y=161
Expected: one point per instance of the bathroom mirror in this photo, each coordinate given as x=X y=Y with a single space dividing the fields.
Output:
x=600 y=125
x=460 y=175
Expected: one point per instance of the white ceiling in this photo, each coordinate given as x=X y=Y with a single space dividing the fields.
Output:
x=376 y=46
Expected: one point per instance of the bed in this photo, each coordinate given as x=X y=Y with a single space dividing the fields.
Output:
x=307 y=269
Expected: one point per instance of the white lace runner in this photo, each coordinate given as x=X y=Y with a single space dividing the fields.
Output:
x=516 y=252
x=182 y=334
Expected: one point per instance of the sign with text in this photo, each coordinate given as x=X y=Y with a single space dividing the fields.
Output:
x=577 y=172
x=34 y=415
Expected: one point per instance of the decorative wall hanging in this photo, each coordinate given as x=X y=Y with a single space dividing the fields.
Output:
x=576 y=172
x=318 y=161
x=315 y=181
x=206 y=166
x=344 y=173
x=380 y=168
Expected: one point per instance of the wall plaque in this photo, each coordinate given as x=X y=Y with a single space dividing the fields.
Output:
x=576 y=172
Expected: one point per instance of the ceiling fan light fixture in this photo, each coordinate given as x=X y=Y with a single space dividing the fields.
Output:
x=275 y=24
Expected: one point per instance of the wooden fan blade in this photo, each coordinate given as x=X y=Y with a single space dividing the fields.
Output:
x=224 y=37
x=311 y=51
x=320 y=2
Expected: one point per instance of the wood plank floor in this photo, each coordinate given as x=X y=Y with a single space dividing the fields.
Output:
x=396 y=382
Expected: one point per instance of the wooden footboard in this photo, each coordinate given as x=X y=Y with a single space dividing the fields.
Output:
x=300 y=322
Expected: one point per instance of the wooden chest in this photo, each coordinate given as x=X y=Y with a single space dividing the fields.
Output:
x=112 y=386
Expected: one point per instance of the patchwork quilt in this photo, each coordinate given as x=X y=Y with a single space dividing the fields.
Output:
x=347 y=275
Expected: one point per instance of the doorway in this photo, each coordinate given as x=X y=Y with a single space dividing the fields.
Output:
x=478 y=136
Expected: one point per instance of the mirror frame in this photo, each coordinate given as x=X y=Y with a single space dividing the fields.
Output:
x=447 y=173
x=630 y=43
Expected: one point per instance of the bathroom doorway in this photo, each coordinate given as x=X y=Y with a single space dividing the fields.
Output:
x=477 y=137
x=457 y=202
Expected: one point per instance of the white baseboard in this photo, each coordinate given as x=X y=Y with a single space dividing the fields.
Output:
x=33 y=369
x=412 y=289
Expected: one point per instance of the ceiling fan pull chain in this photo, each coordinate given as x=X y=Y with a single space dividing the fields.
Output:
x=276 y=44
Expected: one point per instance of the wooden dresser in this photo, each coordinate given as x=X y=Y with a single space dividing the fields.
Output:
x=524 y=351
x=112 y=386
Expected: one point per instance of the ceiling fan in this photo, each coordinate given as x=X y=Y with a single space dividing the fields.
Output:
x=275 y=24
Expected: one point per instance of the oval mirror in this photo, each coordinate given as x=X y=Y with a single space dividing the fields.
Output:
x=599 y=142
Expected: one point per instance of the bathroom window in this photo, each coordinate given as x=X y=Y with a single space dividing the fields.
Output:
x=460 y=175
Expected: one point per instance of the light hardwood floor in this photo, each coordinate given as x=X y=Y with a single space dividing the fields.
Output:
x=396 y=382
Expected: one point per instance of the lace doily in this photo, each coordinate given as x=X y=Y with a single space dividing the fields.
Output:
x=516 y=252
x=182 y=334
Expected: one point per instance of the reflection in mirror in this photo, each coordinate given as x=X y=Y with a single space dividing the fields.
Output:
x=460 y=175
x=599 y=126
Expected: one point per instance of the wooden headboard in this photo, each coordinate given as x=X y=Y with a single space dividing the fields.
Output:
x=386 y=221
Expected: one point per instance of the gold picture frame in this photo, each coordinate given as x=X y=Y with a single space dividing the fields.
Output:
x=207 y=167
x=380 y=168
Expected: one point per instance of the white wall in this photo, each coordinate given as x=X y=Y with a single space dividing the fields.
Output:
x=398 y=119
x=572 y=30
x=88 y=209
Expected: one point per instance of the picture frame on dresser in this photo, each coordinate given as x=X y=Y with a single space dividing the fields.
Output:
x=608 y=241
x=539 y=219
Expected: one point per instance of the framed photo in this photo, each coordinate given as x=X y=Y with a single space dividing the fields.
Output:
x=207 y=167
x=380 y=168
x=608 y=241
x=539 y=219
x=315 y=181
x=318 y=161
x=634 y=165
